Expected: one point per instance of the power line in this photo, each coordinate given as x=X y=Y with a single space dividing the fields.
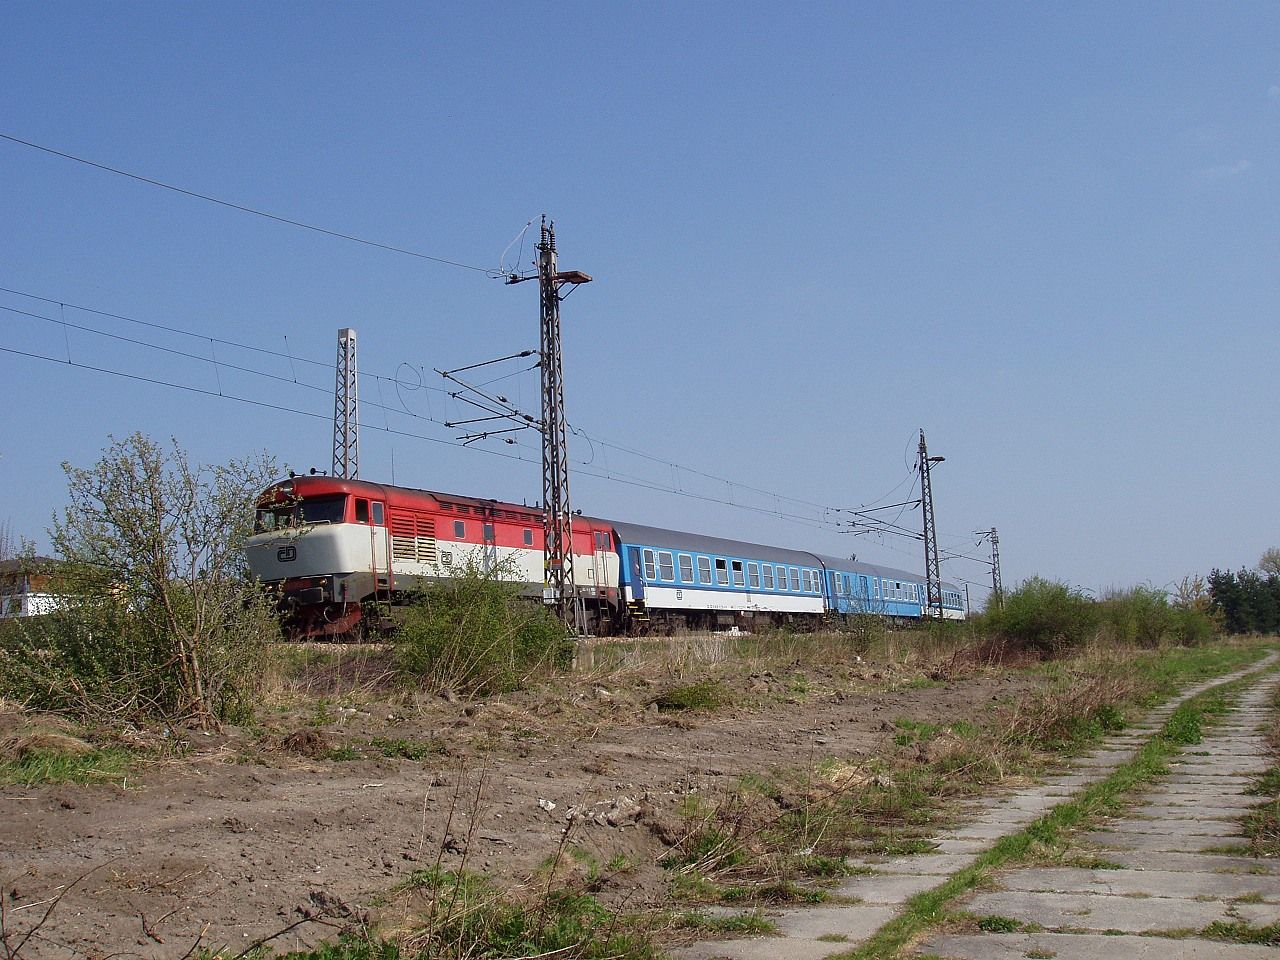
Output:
x=610 y=476
x=399 y=384
x=403 y=409
x=390 y=248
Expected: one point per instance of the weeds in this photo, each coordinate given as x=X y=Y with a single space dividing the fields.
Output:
x=400 y=748
x=471 y=634
x=1242 y=931
x=465 y=915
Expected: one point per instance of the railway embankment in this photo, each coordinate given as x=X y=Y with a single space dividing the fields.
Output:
x=666 y=793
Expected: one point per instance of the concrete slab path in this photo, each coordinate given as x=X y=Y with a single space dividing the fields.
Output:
x=1178 y=869
x=1159 y=887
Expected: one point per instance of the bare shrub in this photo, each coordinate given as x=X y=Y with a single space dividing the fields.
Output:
x=159 y=619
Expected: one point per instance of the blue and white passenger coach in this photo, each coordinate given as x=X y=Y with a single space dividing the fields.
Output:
x=677 y=578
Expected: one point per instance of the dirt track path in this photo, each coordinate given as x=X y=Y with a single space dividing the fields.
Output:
x=1196 y=809
x=225 y=849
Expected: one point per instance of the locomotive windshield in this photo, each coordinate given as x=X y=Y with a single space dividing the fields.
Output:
x=314 y=510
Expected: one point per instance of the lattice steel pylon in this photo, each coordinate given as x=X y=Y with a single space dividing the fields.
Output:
x=997 y=588
x=932 y=566
x=346 y=410
x=557 y=520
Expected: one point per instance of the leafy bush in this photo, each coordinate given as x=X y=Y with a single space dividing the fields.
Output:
x=1045 y=616
x=1138 y=615
x=473 y=634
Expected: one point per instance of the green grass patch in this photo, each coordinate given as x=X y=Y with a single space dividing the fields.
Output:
x=703 y=696
x=744 y=923
x=56 y=766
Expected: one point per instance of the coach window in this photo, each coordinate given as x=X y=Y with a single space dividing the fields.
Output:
x=459 y=529
x=704 y=569
x=686 y=568
x=753 y=575
x=795 y=580
x=738 y=579
x=650 y=568
x=722 y=572
x=528 y=538
x=768 y=576
x=666 y=565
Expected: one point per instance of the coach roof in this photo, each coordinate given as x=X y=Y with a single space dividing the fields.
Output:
x=638 y=535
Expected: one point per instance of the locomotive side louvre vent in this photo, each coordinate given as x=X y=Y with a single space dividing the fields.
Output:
x=413 y=539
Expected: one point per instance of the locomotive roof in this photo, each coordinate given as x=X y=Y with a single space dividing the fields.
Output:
x=323 y=484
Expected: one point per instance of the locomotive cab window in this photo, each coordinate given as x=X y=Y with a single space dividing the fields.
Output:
x=314 y=510
x=528 y=538
x=362 y=510
x=488 y=532
x=378 y=517
x=460 y=529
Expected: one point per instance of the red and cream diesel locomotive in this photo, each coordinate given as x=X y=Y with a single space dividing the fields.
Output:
x=330 y=546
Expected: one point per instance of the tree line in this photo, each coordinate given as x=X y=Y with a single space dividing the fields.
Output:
x=1248 y=601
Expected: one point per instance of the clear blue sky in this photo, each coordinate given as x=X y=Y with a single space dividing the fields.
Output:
x=1047 y=234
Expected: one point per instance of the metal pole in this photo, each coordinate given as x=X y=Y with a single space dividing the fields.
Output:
x=932 y=566
x=997 y=588
x=560 y=589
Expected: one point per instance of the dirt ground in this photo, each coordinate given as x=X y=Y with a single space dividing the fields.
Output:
x=252 y=830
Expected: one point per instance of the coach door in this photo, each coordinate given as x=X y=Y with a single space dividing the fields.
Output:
x=637 y=581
